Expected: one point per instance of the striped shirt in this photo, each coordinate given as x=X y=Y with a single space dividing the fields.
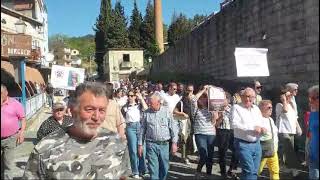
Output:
x=202 y=119
x=226 y=118
x=158 y=126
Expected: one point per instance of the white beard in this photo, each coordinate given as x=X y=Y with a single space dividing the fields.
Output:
x=85 y=128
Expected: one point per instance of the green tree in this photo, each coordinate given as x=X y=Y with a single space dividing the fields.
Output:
x=135 y=26
x=179 y=27
x=197 y=19
x=101 y=28
x=117 y=34
x=147 y=32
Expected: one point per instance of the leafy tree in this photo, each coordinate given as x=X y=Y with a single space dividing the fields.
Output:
x=135 y=26
x=197 y=19
x=148 y=34
x=117 y=34
x=179 y=27
x=101 y=28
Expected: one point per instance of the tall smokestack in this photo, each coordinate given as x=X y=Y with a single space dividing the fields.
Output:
x=158 y=24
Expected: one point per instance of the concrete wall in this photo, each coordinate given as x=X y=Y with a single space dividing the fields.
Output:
x=292 y=37
x=113 y=63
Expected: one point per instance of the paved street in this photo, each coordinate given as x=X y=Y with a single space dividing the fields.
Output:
x=177 y=169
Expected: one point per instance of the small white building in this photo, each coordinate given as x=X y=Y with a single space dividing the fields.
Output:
x=34 y=14
x=120 y=63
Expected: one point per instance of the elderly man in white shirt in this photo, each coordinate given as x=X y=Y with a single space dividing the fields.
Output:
x=248 y=125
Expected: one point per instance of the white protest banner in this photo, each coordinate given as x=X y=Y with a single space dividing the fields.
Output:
x=66 y=77
x=216 y=98
x=251 y=62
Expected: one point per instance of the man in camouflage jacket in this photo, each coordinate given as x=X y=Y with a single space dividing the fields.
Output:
x=83 y=152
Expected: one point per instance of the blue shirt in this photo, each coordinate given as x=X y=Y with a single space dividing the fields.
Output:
x=158 y=126
x=314 y=129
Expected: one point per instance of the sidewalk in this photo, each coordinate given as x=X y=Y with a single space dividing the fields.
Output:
x=23 y=151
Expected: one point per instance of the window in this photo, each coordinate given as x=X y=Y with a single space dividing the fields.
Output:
x=126 y=57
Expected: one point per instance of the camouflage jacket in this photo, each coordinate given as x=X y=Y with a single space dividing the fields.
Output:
x=59 y=156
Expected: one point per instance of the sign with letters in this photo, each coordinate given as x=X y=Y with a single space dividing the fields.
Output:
x=251 y=62
x=66 y=77
x=15 y=45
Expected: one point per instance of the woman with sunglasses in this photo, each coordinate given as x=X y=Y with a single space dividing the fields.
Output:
x=204 y=129
x=132 y=112
x=272 y=162
x=58 y=120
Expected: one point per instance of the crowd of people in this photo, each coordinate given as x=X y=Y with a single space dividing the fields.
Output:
x=114 y=131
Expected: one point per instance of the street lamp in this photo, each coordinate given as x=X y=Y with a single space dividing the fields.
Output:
x=20 y=26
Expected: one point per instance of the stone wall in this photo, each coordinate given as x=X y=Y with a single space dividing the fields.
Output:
x=291 y=29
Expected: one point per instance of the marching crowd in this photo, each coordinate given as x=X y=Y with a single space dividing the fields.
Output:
x=114 y=131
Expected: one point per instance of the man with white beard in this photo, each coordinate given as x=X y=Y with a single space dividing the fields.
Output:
x=84 y=151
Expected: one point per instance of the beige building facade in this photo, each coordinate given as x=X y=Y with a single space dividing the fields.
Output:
x=121 y=63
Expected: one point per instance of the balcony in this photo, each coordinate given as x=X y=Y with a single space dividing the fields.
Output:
x=35 y=55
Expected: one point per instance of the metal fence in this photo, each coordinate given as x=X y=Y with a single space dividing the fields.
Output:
x=34 y=104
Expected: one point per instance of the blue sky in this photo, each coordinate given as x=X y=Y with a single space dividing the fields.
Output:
x=77 y=17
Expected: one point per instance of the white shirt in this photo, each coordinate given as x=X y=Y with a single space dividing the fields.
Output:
x=170 y=101
x=286 y=122
x=133 y=113
x=244 y=120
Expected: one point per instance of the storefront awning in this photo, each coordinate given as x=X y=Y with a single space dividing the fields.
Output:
x=34 y=75
x=8 y=67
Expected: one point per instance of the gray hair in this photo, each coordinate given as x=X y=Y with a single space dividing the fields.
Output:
x=96 y=88
x=246 y=90
x=291 y=86
x=155 y=95
x=314 y=89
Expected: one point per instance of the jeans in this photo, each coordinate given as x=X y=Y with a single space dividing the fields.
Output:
x=313 y=169
x=205 y=145
x=223 y=139
x=273 y=166
x=7 y=155
x=250 y=157
x=138 y=165
x=158 y=159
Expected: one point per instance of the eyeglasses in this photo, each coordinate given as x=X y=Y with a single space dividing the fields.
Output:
x=247 y=96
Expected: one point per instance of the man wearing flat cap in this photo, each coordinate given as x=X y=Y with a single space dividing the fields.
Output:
x=58 y=120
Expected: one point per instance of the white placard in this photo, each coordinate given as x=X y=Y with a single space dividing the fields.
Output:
x=216 y=98
x=251 y=62
x=66 y=77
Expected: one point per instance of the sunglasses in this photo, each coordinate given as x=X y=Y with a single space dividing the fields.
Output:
x=60 y=109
